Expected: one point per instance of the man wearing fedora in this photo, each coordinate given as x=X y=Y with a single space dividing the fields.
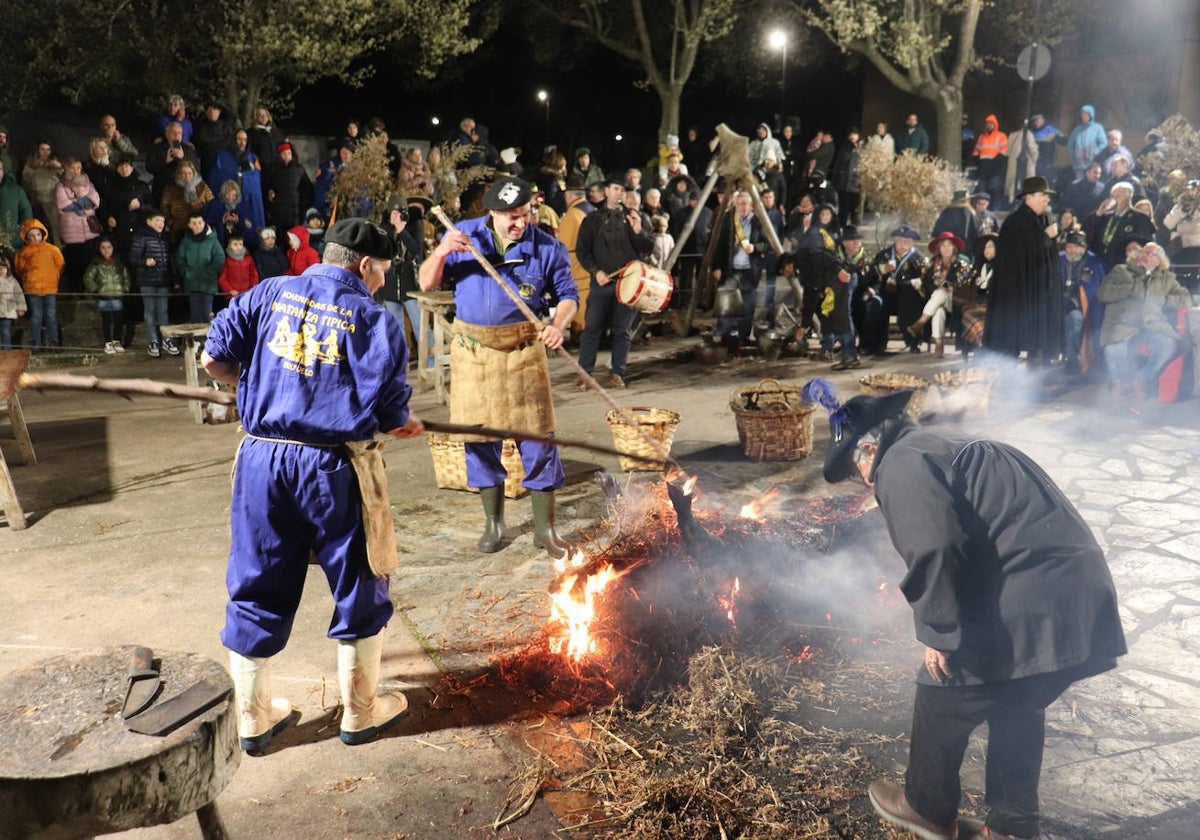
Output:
x=1025 y=302
x=1011 y=596
x=498 y=364
x=897 y=277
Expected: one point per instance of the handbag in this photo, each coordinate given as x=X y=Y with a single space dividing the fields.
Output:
x=94 y=224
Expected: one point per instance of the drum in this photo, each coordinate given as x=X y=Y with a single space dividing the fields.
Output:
x=644 y=287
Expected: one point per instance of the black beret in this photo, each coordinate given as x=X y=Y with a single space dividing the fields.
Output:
x=363 y=237
x=507 y=193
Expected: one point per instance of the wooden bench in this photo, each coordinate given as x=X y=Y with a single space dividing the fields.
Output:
x=435 y=306
x=70 y=768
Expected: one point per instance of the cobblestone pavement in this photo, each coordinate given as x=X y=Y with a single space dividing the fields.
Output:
x=128 y=543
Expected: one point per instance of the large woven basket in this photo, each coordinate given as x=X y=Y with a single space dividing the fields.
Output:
x=967 y=391
x=883 y=384
x=450 y=465
x=772 y=423
x=657 y=424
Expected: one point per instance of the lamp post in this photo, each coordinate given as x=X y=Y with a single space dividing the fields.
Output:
x=543 y=96
x=777 y=39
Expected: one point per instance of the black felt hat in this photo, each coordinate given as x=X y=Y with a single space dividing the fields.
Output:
x=1036 y=184
x=849 y=423
x=362 y=237
x=850 y=232
x=507 y=193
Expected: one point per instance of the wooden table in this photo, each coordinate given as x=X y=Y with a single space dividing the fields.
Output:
x=69 y=767
x=191 y=364
x=435 y=306
x=12 y=365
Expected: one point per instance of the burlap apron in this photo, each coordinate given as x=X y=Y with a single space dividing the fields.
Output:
x=366 y=458
x=500 y=377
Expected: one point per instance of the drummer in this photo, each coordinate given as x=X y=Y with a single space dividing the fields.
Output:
x=609 y=239
x=497 y=357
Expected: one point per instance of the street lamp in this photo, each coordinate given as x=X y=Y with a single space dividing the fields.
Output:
x=777 y=39
x=544 y=97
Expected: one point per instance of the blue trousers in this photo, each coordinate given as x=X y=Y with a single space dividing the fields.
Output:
x=604 y=310
x=1122 y=358
x=288 y=501
x=43 y=310
x=200 y=306
x=543 y=467
x=154 y=311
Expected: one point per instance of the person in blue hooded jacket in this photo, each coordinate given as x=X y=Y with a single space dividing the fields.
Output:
x=1086 y=140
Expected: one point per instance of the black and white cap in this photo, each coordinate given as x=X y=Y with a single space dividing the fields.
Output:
x=507 y=193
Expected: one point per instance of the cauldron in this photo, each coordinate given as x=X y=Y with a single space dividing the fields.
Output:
x=729 y=304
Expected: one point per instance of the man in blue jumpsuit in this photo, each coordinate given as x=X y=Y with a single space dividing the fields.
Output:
x=498 y=367
x=320 y=369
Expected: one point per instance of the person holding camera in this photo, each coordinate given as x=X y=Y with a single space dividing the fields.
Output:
x=1183 y=221
x=166 y=153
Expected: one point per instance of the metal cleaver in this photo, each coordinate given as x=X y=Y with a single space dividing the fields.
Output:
x=144 y=683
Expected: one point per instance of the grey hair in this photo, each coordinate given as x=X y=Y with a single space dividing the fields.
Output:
x=341 y=256
x=1156 y=249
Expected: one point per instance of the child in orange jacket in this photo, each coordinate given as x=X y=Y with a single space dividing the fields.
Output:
x=39 y=266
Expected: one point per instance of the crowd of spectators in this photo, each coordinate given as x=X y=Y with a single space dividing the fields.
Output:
x=209 y=208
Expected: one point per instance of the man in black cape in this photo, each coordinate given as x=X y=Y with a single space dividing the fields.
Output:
x=1025 y=303
x=1010 y=594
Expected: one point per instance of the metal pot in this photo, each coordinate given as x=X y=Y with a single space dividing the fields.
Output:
x=729 y=304
x=770 y=344
x=708 y=353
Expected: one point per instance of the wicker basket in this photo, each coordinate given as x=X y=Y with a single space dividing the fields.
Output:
x=772 y=423
x=883 y=384
x=966 y=391
x=450 y=465
x=657 y=424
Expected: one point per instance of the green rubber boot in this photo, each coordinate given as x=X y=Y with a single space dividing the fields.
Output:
x=544 y=535
x=493 y=528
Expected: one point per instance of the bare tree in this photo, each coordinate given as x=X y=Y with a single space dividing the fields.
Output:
x=922 y=47
x=662 y=37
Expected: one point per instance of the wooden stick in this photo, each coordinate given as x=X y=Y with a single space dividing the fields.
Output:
x=562 y=351
x=518 y=434
x=122 y=387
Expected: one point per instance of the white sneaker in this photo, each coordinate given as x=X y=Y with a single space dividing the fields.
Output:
x=109 y=348
x=170 y=346
x=118 y=347
x=153 y=349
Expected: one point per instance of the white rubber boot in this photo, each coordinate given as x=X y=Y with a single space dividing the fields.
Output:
x=260 y=716
x=365 y=714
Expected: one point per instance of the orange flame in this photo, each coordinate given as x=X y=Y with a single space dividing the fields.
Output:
x=806 y=654
x=729 y=604
x=754 y=509
x=572 y=610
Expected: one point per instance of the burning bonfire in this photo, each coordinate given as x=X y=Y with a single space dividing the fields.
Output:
x=714 y=650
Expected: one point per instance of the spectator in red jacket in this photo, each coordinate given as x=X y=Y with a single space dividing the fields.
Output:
x=300 y=254
x=239 y=274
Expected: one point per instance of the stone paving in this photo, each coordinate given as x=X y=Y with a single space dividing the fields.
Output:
x=131 y=506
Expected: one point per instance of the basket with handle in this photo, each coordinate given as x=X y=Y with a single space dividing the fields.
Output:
x=657 y=424
x=450 y=465
x=772 y=422
x=883 y=384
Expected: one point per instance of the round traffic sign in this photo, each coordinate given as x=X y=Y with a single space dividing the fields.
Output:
x=1033 y=62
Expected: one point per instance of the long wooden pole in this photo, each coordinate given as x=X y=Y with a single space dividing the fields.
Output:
x=129 y=388
x=533 y=319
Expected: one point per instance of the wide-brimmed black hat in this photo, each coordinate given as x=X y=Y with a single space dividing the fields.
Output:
x=507 y=193
x=1036 y=184
x=363 y=237
x=850 y=232
x=849 y=423
x=905 y=232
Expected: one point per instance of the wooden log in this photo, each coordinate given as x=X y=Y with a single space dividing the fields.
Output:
x=70 y=768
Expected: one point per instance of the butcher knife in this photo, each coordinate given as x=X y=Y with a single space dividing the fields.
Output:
x=173 y=713
x=144 y=683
